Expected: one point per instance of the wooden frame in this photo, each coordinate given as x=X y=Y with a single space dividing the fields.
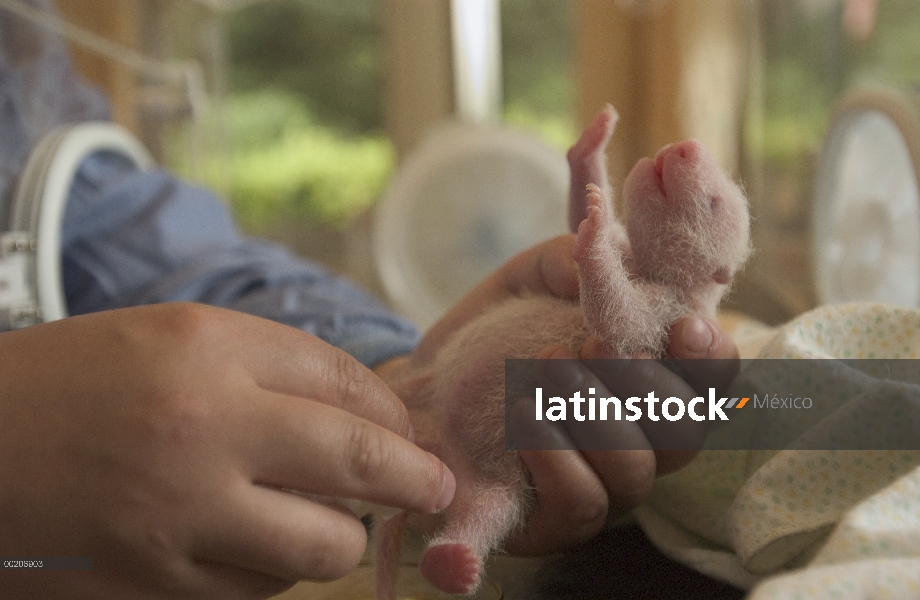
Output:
x=418 y=74
x=673 y=69
x=119 y=21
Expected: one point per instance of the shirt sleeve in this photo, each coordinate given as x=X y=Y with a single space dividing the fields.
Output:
x=132 y=237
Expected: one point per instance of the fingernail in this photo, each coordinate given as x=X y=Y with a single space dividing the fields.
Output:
x=448 y=487
x=411 y=435
x=697 y=336
x=562 y=370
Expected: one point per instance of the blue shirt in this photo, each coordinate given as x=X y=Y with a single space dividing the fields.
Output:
x=132 y=237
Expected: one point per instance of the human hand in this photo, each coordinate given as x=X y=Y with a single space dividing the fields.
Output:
x=579 y=491
x=545 y=269
x=157 y=441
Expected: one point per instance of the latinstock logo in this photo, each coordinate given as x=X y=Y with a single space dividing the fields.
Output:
x=557 y=408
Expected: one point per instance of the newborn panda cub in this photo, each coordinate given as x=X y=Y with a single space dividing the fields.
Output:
x=686 y=235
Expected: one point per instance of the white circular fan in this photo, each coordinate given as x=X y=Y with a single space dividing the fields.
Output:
x=465 y=201
x=867 y=202
x=32 y=256
x=474 y=193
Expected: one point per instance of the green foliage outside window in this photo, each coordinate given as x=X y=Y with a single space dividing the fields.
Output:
x=285 y=165
x=304 y=121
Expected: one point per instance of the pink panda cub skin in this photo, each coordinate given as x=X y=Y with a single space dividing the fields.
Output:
x=686 y=234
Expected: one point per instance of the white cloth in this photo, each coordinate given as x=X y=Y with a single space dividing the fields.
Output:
x=808 y=523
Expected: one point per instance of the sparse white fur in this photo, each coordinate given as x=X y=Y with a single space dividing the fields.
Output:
x=688 y=234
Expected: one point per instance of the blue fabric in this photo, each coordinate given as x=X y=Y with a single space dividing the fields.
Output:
x=132 y=237
x=39 y=90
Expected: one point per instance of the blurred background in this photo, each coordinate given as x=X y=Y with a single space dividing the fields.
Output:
x=300 y=112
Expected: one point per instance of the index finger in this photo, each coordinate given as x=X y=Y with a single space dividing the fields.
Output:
x=318 y=449
x=289 y=361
